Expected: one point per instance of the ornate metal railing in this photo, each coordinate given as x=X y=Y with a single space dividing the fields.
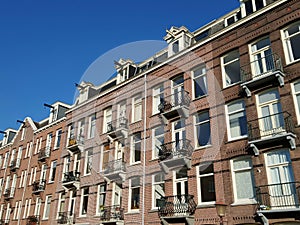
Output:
x=115 y=166
x=278 y=196
x=38 y=186
x=32 y=220
x=271 y=125
x=183 y=205
x=76 y=140
x=71 y=176
x=172 y=102
x=44 y=153
x=114 y=212
x=179 y=148
x=121 y=123
x=261 y=67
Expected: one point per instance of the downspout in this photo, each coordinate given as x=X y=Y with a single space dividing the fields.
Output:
x=144 y=149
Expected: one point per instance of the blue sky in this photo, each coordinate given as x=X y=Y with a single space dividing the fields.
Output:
x=47 y=45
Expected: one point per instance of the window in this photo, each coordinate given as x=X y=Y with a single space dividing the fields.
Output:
x=8 y=211
x=47 y=207
x=206 y=183
x=200 y=81
x=37 y=206
x=134 y=203
x=291 y=42
x=270 y=112
x=203 y=129
x=6 y=158
x=1 y=160
x=36 y=146
x=107 y=119
x=261 y=57
x=92 y=126
x=23 y=133
x=296 y=97
x=101 y=197
x=136 y=148
x=236 y=120
x=251 y=6
x=84 y=201
x=81 y=130
x=243 y=180
x=13 y=185
x=158 y=188
x=158 y=97
x=15 y=210
x=136 y=108
x=58 y=138
x=175 y=47
x=158 y=140
x=88 y=161
x=61 y=203
x=26 y=208
x=27 y=151
x=72 y=203
x=105 y=156
x=52 y=171
x=231 y=68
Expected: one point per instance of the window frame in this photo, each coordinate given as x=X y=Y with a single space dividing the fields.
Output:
x=199 y=67
x=47 y=207
x=57 y=142
x=133 y=149
x=155 y=154
x=197 y=146
x=99 y=194
x=154 y=184
x=130 y=197
x=157 y=92
x=92 y=126
x=296 y=103
x=136 y=104
x=84 y=196
x=223 y=65
x=88 y=162
x=286 y=47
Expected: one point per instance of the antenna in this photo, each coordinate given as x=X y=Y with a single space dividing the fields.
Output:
x=20 y=121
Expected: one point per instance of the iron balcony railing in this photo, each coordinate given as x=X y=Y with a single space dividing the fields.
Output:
x=121 y=123
x=44 y=153
x=181 y=148
x=278 y=196
x=174 y=101
x=66 y=218
x=32 y=220
x=15 y=164
x=110 y=213
x=270 y=126
x=76 y=140
x=178 y=205
x=71 y=176
x=38 y=186
x=261 y=67
x=115 y=166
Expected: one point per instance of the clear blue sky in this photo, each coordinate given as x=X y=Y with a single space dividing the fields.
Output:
x=47 y=45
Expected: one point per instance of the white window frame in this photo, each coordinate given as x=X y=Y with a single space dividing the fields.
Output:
x=37 y=209
x=154 y=183
x=92 y=126
x=228 y=120
x=197 y=146
x=23 y=133
x=286 y=43
x=15 y=210
x=223 y=65
x=245 y=200
x=137 y=108
x=296 y=103
x=47 y=207
x=51 y=171
x=6 y=159
x=199 y=176
x=158 y=95
x=104 y=151
x=132 y=151
x=131 y=187
x=99 y=194
x=61 y=199
x=254 y=8
x=82 y=198
x=58 y=135
x=203 y=76
x=88 y=162
x=155 y=140
x=107 y=117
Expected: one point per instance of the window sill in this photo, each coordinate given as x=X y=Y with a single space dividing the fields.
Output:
x=82 y=216
x=153 y=210
x=206 y=205
x=135 y=163
x=133 y=211
x=154 y=160
x=244 y=202
x=291 y=63
x=203 y=147
x=237 y=139
x=231 y=85
x=200 y=97
x=133 y=122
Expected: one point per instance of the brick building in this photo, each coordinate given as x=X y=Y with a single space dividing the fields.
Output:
x=204 y=132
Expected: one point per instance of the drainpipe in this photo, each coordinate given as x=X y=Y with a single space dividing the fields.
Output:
x=144 y=149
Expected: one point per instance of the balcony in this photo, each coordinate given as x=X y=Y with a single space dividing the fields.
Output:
x=175 y=155
x=278 y=200
x=38 y=186
x=71 y=180
x=65 y=218
x=14 y=164
x=270 y=130
x=176 y=208
x=44 y=154
x=174 y=106
x=115 y=170
x=110 y=214
x=75 y=144
x=117 y=129
x=32 y=220
x=262 y=72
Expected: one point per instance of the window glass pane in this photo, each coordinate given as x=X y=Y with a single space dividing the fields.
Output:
x=295 y=44
x=200 y=86
x=268 y=96
x=207 y=168
x=232 y=72
x=202 y=117
x=231 y=56
x=240 y=164
x=207 y=189
x=203 y=132
x=297 y=87
x=236 y=106
x=244 y=183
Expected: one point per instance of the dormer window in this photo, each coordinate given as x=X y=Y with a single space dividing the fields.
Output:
x=175 y=47
x=126 y=69
x=250 y=6
x=232 y=19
